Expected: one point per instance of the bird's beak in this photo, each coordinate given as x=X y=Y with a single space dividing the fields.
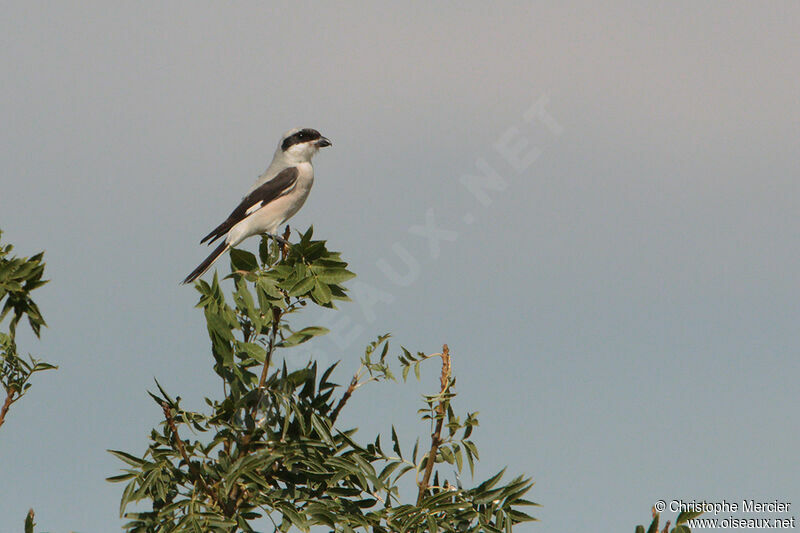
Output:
x=323 y=142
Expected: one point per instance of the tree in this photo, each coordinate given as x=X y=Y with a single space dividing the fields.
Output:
x=270 y=453
x=19 y=276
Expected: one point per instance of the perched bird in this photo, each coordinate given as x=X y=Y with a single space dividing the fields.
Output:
x=274 y=198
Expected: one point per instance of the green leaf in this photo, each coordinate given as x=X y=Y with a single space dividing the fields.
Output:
x=217 y=325
x=322 y=429
x=263 y=249
x=491 y=482
x=303 y=335
x=302 y=287
x=653 y=525
x=334 y=275
x=121 y=477
x=29 y=523
x=387 y=471
x=269 y=287
x=293 y=516
x=253 y=350
x=396 y=443
x=243 y=260
x=458 y=454
x=519 y=516
x=321 y=293
x=446 y=454
x=127 y=458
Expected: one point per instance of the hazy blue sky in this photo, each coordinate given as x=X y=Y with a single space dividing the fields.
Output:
x=623 y=313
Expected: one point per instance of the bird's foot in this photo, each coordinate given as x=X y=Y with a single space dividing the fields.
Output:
x=280 y=240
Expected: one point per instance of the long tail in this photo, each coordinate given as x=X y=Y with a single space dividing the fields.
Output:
x=206 y=264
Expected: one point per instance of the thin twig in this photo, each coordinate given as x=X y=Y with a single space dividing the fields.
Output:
x=182 y=449
x=345 y=397
x=171 y=422
x=436 y=436
x=7 y=404
x=276 y=318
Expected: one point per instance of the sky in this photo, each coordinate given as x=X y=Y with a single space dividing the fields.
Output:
x=595 y=207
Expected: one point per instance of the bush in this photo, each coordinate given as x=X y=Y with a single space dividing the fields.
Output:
x=270 y=453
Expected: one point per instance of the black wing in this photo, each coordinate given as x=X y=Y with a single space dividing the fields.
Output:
x=269 y=191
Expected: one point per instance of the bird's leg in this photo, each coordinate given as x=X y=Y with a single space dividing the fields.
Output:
x=280 y=240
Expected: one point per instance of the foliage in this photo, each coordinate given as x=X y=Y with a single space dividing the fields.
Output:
x=680 y=523
x=29 y=523
x=270 y=453
x=19 y=276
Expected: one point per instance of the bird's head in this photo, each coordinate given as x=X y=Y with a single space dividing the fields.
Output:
x=300 y=144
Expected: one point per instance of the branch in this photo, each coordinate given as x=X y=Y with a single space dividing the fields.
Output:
x=276 y=318
x=182 y=449
x=345 y=397
x=436 y=436
x=6 y=404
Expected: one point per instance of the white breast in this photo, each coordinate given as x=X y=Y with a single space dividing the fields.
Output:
x=271 y=216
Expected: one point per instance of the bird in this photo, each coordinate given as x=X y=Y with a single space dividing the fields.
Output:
x=273 y=199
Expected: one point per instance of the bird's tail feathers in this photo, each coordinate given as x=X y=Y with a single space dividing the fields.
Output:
x=206 y=264
x=213 y=236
